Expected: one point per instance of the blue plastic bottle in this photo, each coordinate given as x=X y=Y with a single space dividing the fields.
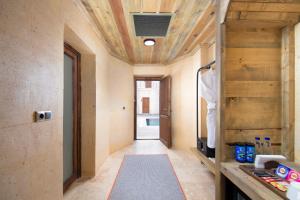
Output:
x=250 y=153
x=240 y=152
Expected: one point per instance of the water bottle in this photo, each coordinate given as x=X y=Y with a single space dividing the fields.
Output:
x=267 y=146
x=258 y=145
x=250 y=152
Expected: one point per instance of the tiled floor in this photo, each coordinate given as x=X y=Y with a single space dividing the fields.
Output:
x=196 y=181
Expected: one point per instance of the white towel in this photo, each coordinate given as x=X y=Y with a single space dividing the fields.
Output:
x=208 y=90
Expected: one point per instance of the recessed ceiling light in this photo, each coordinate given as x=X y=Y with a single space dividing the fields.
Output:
x=149 y=42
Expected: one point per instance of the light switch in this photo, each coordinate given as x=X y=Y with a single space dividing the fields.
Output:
x=39 y=116
x=43 y=116
x=48 y=115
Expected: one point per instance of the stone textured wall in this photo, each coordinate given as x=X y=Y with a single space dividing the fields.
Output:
x=31 y=43
x=31 y=78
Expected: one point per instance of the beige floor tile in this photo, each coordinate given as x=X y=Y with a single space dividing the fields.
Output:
x=196 y=181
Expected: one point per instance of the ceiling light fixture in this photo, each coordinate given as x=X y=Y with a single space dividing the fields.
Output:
x=149 y=42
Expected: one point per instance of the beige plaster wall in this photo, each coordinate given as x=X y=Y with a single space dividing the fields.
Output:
x=31 y=41
x=183 y=97
x=183 y=75
x=150 y=70
x=297 y=93
x=121 y=88
x=32 y=34
x=88 y=102
x=79 y=24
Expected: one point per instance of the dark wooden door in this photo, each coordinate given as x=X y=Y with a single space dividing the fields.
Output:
x=71 y=117
x=165 y=111
x=146 y=104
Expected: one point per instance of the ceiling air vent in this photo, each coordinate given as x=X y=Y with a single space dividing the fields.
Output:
x=151 y=25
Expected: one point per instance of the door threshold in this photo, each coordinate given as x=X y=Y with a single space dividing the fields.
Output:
x=147 y=139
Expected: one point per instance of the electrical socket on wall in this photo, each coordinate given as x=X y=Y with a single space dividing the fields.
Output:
x=43 y=116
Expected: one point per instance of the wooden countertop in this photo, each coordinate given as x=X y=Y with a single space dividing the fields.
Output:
x=253 y=188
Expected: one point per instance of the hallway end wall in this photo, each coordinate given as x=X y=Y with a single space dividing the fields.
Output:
x=183 y=96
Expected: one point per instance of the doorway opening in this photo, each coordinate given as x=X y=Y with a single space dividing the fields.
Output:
x=147 y=92
x=152 y=109
x=71 y=117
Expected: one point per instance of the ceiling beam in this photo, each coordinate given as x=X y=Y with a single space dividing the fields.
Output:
x=118 y=12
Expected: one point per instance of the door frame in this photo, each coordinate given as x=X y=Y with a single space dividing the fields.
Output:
x=141 y=78
x=75 y=55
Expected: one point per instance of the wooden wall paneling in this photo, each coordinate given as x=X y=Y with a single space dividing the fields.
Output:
x=232 y=15
x=288 y=91
x=220 y=145
x=270 y=16
x=253 y=113
x=252 y=86
x=252 y=89
x=253 y=55
x=220 y=57
x=232 y=136
x=252 y=64
x=265 y=7
x=255 y=23
x=252 y=71
x=256 y=37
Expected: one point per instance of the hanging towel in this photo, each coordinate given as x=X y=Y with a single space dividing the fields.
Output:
x=208 y=90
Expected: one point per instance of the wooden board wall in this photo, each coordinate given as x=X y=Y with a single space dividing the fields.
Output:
x=252 y=86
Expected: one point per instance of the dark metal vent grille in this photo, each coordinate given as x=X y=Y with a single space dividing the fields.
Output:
x=151 y=25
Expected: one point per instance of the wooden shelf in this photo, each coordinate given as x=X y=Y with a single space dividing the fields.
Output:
x=249 y=185
x=204 y=160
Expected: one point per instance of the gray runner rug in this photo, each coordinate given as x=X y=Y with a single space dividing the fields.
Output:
x=146 y=177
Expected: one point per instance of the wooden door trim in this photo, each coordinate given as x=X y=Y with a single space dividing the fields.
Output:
x=166 y=113
x=141 y=78
x=75 y=55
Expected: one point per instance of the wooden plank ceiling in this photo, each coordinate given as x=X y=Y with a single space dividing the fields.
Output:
x=192 y=24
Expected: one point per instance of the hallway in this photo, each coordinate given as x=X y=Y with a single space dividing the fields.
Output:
x=196 y=181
